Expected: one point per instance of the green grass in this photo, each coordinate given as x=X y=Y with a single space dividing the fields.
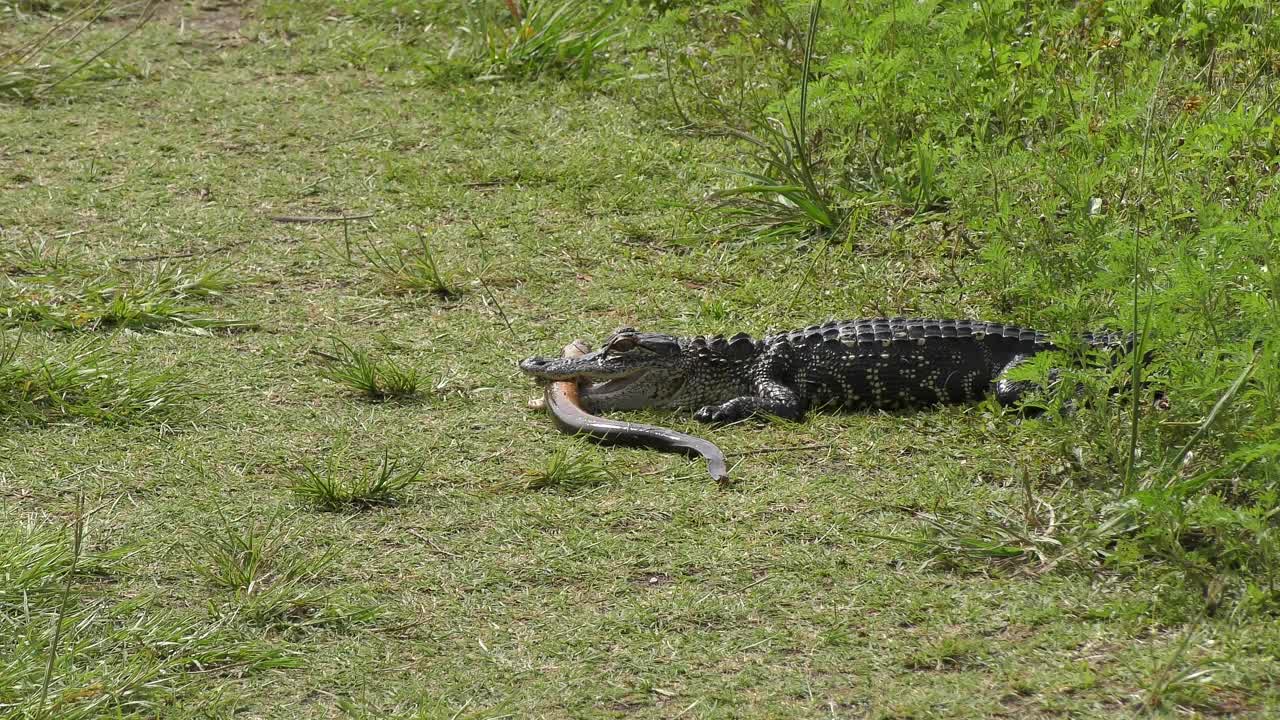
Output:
x=45 y=293
x=328 y=488
x=75 y=651
x=69 y=48
x=411 y=268
x=567 y=469
x=543 y=36
x=1040 y=163
x=377 y=380
x=83 y=381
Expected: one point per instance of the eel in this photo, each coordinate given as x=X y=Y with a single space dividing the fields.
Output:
x=564 y=403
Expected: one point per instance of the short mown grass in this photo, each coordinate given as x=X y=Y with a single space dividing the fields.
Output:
x=1069 y=166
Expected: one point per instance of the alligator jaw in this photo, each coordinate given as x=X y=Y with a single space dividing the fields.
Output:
x=578 y=370
x=613 y=385
x=599 y=388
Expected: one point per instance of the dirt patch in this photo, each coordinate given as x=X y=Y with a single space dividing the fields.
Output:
x=216 y=17
x=652 y=580
x=215 y=22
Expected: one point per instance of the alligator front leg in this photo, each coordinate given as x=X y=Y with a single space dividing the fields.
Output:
x=774 y=398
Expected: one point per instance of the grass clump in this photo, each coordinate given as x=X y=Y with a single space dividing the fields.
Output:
x=377 y=380
x=271 y=584
x=538 y=37
x=26 y=255
x=72 y=653
x=411 y=269
x=32 y=68
x=251 y=558
x=568 y=468
x=63 y=300
x=330 y=488
x=82 y=382
x=785 y=196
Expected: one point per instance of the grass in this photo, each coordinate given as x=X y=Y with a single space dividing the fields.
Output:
x=43 y=292
x=786 y=196
x=567 y=469
x=73 y=653
x=83 y=381
x=39 y=65
x=543 y=36
x=271 y=584
x=328 y=488
x=377 y=380
x=1111 y=560
x=411 y=269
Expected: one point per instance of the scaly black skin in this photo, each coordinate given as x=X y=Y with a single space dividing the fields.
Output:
x=877 y=363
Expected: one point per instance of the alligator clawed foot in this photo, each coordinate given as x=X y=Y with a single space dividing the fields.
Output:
x=715 y=415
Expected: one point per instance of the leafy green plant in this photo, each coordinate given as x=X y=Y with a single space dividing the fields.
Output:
x=332 y=488
x=916 y=184
x=378 y=380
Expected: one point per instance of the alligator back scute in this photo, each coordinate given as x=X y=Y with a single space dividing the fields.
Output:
x=1008 y=338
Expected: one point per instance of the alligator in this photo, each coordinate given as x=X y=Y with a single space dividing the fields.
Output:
x=873 y=363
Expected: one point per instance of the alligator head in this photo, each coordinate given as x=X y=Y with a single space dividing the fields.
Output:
x=635 y=370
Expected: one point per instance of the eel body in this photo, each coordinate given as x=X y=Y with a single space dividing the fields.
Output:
x=564 y=404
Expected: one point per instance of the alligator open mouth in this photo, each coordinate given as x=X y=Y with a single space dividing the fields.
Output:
x=614 y=385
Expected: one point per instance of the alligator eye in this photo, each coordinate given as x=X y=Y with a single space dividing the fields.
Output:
x=622 y=344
